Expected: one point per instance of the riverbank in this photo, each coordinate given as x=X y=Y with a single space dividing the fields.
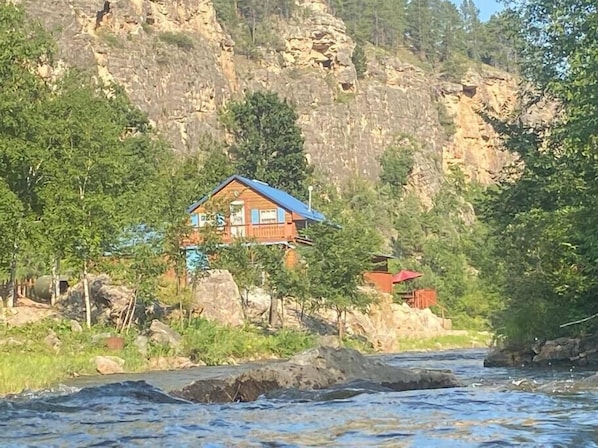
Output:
x=40 y=355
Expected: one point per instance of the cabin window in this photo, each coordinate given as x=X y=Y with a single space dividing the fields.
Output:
x=220 y=221
x=202 y=220
x=198 y=220
x=268 y=216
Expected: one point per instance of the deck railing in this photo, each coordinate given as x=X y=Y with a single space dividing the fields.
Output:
x=260 y=232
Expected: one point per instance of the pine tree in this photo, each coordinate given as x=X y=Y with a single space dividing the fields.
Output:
x=420 y=27
x=268 y=142
x=473 y=25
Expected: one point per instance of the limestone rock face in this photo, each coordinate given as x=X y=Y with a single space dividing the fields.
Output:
x=314 y=369
x=177 y=64
x=180 y=86
x=320 y=40
x=217 y=298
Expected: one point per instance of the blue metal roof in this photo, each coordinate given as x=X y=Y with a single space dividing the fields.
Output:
x=279 y=197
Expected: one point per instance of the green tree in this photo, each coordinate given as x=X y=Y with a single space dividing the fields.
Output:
x=499 y=41
x=451 y=31
x=341 y=253
x=396 y=164
x=268 y=142
x=22 y=158
x=101 y=158
x=420 y=27
x=182 y=181
x=10 y=211
x=543 y=207
x=359 y=61
x=473 y=26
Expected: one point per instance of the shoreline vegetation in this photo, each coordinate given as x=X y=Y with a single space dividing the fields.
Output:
x=41 y=355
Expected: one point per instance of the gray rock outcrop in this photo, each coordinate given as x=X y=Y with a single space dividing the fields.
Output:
x=110 y=303
x=565 y=351
x=318 y=368
x=217 y=298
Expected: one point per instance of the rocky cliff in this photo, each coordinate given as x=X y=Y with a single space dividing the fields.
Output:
x=177 y=64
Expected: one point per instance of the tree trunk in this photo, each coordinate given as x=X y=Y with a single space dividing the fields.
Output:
x=55 y=281
x=273 y=320
x=341 y=325
x=86 y=295
x=302 y=315
x=12 y=282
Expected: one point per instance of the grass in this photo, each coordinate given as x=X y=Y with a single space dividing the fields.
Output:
x=28 y=362
x=180 y=40
x=111 y=39
x=215 y=344
x=461 y=339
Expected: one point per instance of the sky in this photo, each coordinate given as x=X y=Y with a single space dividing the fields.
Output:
x=486 y=7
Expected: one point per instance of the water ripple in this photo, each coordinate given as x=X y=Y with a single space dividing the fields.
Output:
x=491 y=412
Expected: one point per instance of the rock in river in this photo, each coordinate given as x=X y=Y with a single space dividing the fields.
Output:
x=565 y=352
x=317 y=368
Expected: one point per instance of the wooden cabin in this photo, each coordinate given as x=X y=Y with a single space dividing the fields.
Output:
x=255 y=211
x=251 y=209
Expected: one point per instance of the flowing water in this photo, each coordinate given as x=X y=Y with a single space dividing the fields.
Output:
x=491 y=410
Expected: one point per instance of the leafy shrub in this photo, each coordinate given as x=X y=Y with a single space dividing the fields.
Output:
x=181 y=40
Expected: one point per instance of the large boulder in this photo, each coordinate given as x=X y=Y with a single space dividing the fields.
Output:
x=565 y=351
x=318 y=368
x=110 y=303
x=217 y=298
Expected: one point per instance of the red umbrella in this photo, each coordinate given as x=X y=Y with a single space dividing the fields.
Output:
x=403 y=275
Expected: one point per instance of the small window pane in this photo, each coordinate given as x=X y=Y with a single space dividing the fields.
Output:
x=268 y=216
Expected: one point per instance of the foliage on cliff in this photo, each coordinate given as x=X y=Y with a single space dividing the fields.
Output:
x=438 y=31
x=543 y=212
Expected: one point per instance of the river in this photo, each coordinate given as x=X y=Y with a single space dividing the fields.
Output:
x=490 y=411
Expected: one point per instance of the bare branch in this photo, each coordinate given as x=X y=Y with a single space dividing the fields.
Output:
x=585 y=319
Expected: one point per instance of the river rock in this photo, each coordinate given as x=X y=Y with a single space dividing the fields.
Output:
x=163 y=334
x=565 y=351
x=141 y=342
x=171 y=363
x=318 y=368
x=75 y=326
x=52 y=341
x=508 y=357
x=108 y=365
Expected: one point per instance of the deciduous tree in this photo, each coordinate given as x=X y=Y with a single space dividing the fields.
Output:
x=336 y=262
